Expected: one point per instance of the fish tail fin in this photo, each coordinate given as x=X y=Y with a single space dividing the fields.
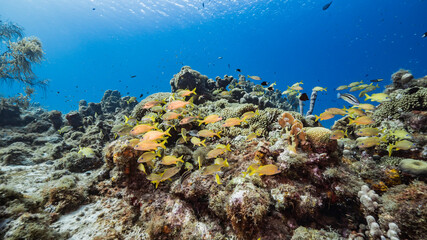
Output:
x=218 y=180
x=158 y=154
x=203 y=142
x=218 y=134
x=167 y=132
x=194 y=91
x=390 y=149
x=317 y=118
x=191 y=101
x=228 y=147
x=325 y=89
x=345 y=133
x=351 y=121
x=226 y=163
x=200 y=122
x=162 y=144
x=367 y=97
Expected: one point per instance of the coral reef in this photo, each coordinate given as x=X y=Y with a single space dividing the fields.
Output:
x=222 y=164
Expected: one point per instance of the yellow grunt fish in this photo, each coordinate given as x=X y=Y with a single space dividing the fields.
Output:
x=324 y=116
x=269 y=169
x=400 y=145
x=210 y=119
x=401 y=134
x=186 y=92
x=364 y=120
x=231 y=122
x=336 y=111
x=343 y=87
x=368 y=132
x=250 y=114
x=319 y=89
x=378 y=97
x=148 y=156
x=367 y=142
x=196 y=141
x=353 y=84
x=170 y=159
x=149 y=145
x=208 y=133
x=254 y=77
x=365 y=106
x=338 y=134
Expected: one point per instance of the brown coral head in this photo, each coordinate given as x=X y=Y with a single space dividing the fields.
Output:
x=296 y=127
x=286 y=120
x=319 y=138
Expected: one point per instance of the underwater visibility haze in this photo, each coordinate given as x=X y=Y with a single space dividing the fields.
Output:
x=204 y=119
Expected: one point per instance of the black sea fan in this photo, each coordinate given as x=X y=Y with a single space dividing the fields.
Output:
x=18 y=55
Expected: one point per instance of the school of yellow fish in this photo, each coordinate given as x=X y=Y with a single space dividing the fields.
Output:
x=148 y=137
x=176 y=111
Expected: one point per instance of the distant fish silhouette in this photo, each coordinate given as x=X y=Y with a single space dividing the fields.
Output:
x=203 y=4
x=238 y=70
x=141 y=95
x=264 y=83
x=93 y=9
x=424 y=35
x=133 y=76
x=219 y=57
x=303 y=97
x=326 y=6
x=377 y=80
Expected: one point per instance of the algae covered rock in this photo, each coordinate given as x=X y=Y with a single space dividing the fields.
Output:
x=303 y=233
x=32 y=227
x=188 y=78
x=246 y=206
x=405 y=205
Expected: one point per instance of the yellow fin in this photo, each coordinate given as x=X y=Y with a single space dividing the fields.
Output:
x=218 y=180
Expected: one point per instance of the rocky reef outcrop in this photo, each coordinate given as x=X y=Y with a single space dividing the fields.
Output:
x=229 y=160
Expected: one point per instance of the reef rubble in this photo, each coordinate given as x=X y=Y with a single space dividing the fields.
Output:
x=213 y=159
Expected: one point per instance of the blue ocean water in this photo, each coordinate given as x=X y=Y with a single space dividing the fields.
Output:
x=95 y=45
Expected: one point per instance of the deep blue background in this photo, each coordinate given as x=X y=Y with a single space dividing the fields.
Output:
x=89 y=51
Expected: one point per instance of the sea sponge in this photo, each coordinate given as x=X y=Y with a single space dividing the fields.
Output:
x=319 y=137
x=413 y=167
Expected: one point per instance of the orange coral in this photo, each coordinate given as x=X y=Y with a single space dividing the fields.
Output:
x=392 y=177
x=380 y=186
x=286 y=120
